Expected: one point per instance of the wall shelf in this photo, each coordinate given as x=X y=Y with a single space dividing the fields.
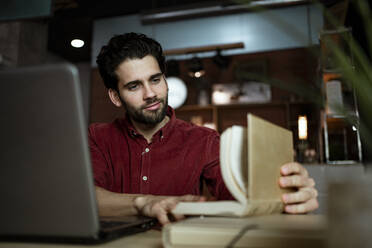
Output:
x=283 y=114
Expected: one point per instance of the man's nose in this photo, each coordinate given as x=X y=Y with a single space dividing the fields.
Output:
x=148 y=91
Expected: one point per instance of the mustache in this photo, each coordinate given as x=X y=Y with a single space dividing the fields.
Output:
x=151 y=101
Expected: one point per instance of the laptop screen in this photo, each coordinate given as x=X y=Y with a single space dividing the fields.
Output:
x=45 y=172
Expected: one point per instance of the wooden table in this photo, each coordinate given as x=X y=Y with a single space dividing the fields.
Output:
x=303 y=224
x=149 y=239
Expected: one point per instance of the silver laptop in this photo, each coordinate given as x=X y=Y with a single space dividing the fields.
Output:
x=46 y=181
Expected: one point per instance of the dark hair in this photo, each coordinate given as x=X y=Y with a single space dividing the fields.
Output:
x=123 y=47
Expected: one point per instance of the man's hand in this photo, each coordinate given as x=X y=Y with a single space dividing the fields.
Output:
x=304 y=199
x=161 y=206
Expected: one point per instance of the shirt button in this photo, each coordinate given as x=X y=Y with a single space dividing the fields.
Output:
x=147 y=149
x=144 y=178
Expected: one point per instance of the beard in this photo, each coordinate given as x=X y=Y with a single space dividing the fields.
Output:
x=147 y=117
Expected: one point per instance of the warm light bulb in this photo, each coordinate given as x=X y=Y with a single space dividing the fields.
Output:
x=302 y=127
x=77 y=43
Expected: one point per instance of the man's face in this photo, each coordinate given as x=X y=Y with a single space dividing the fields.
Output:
x=143 y=90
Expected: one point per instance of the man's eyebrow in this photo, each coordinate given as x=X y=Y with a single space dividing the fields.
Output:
x=139 y=81
x=132 y=82
x=156 y=75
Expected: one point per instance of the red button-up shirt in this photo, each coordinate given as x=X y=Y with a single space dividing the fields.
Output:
x=179 y=157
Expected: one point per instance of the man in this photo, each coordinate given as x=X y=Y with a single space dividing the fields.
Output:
x=149 y=161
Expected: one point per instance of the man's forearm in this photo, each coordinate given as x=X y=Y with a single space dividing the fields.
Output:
x=115 y=204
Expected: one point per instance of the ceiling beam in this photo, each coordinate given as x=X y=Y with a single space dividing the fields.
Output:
x=201 y=49
x=216 y=9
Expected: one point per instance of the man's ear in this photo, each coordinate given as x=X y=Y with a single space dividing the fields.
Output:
x=114 y=97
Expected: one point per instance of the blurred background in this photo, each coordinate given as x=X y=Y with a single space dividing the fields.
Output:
x=225 y=59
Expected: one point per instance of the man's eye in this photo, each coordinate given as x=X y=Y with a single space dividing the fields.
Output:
x=156 y=80
x=132 y=86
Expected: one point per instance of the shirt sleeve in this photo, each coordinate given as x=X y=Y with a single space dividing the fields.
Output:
x=212 y=172
x=98 y=160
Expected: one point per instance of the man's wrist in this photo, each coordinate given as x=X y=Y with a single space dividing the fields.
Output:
x=138 y=204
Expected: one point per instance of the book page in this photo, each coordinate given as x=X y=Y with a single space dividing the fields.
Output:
x=231 y=153
x=238 y=156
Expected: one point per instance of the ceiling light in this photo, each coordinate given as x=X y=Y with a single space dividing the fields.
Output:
x=198 y=74
x=195 y=67
x=77 y=43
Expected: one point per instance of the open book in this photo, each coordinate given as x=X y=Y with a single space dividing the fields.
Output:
x=250 y=160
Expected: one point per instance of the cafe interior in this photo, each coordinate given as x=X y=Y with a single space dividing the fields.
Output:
x=225 y=59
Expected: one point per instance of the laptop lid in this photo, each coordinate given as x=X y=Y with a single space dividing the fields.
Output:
x=46 y=180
